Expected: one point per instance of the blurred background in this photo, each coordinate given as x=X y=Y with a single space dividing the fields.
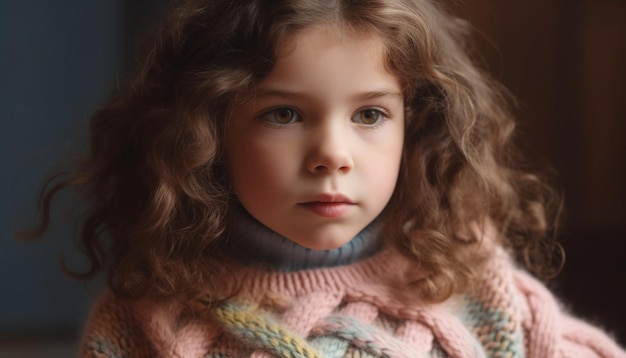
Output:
x=562 y=59
x=565 y=62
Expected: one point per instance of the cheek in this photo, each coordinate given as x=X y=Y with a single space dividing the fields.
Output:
x=382 y=168
x=382 y=172
x=259 y=170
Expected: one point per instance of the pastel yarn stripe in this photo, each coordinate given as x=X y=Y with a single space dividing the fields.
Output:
x=246 y=323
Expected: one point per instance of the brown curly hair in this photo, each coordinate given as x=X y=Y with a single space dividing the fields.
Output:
x=155 y=182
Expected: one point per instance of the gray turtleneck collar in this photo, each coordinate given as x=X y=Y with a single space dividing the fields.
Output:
x=250 y=242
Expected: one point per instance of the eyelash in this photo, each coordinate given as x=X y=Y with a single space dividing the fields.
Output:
x=379 y=110
x=266 y=116
x=384 y=115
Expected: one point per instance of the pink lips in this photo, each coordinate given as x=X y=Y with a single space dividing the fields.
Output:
x=329 y=205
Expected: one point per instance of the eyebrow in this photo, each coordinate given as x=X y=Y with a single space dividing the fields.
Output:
x=272 y=92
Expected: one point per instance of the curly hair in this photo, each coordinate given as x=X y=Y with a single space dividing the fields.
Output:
x=155 y=182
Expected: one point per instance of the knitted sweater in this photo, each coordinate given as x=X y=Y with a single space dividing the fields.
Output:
x=356 y=310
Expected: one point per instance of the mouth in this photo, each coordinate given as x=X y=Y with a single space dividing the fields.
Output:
x=329 y=205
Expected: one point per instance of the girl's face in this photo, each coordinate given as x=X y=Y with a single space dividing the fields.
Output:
x=315 y=156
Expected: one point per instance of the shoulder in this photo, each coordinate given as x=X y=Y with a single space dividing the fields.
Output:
x=113 y=330
x=120 y=327
x=548 y=329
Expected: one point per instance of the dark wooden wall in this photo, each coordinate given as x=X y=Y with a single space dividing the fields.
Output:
x=565 y=61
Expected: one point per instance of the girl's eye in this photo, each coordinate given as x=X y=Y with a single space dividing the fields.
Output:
x=369 y=116
x=282 y=115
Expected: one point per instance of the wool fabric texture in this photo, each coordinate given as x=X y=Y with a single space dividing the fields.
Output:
x=357 y=310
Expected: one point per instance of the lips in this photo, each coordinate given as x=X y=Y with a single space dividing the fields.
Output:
x=329 y=205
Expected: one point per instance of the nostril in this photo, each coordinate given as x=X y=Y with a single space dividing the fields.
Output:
x=320 y=169
x=325 y=163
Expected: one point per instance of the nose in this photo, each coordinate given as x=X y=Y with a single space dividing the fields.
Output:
x=329 y=151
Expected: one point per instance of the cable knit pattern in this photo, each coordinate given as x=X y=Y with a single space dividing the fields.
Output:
x=358 y=310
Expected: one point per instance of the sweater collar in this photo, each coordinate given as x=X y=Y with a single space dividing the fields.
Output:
x=251 y=243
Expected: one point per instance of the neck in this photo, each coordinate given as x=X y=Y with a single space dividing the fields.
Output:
x=251 y=242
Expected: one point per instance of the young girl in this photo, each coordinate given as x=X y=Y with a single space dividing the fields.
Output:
x=306 y=178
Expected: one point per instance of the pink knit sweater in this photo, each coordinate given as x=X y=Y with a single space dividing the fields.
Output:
x=359 y=310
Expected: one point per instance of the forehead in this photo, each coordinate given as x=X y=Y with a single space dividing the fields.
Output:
x=327 y=37
x=349 y=56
